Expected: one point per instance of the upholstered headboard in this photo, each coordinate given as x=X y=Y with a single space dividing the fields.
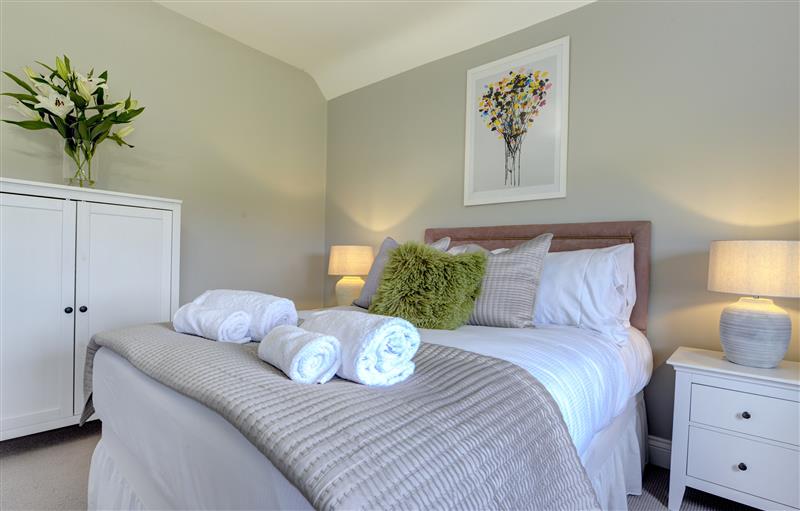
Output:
x=569 y=237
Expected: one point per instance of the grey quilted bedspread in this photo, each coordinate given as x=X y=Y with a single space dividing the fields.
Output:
x=465 y=432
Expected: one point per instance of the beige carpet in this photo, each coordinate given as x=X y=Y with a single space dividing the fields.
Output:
x=50 y=471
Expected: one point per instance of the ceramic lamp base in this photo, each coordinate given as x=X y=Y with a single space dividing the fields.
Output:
x=755 y=332
x=348 y=289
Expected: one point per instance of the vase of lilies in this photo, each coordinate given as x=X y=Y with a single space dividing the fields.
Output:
x=76 y=106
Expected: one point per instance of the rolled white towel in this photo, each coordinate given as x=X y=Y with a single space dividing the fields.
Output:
x=218 y=324
x=266 y=311
x=376 y=350
x=305 y=357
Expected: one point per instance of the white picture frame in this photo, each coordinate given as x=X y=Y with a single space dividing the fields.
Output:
x=528 y=161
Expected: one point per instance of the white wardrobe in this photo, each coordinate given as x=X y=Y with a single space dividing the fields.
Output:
x=74 y=262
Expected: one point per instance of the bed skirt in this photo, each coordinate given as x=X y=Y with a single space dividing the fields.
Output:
x=613 y=461
x=616 y=456
x=108 y=487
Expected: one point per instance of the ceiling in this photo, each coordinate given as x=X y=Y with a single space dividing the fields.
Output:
x=345 y=45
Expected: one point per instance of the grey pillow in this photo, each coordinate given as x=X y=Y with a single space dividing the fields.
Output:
x=508 y=292
x=376 y=270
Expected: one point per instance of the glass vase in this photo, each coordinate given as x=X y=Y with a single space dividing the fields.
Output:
x=81 y=170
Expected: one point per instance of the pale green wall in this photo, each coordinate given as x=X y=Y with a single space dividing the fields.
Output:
x=685 y=114
x=238 y=135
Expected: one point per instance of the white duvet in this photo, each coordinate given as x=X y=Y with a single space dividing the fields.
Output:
x=590 y=377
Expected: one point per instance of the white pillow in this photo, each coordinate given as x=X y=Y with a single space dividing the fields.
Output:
x=470 y=248
x=593 y=289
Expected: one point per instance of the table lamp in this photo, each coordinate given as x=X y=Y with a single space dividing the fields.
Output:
x=754 y=331
x=349 y=261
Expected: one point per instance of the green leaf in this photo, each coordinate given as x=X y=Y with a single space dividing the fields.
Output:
x=103 y=75
x=46 y=66
x=106 y=106
x=101 y=138
x=19 y=82
x=61 y=127
x=21 y=97
x=82 y=131
x=30 y=125
x=119 y=141
x=127 y=116
x=78 y=100
x=128 y=101
x=91 y=121
x=101 y=128
x=69 y=149
x=66 y=63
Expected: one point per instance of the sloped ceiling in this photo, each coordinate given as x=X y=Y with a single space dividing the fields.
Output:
x=345 y=45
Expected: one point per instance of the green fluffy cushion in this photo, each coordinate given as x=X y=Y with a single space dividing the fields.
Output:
x=429 y=288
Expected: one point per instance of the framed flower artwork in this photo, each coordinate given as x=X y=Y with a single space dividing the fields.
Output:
x=516 y=133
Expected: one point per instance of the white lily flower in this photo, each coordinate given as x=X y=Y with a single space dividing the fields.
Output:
x=61 y=69
x=56 y=104
x=24 y=111
x=91 y=84
x=125 y=131
x=31 y=74
x=43 y=89
x=83 y=90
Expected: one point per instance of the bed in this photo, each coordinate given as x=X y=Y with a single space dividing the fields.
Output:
x=161 y=449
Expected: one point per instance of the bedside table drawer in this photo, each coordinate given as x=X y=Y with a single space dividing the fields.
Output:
x=752 y=414
x=749 y=466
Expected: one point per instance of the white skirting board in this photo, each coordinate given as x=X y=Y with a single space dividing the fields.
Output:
x=658 y=450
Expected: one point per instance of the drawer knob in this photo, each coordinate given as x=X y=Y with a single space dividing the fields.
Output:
x=68 y=310
x=745 y=415
x=83 y=308
x=742 y=467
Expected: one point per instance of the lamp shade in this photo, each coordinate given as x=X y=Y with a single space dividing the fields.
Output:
x=350 y=260
x=755 y=268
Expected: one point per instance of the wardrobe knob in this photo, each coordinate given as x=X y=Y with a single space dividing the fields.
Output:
x=83 y=308
x=742 y=467
x=68 y=310
x=745 y=415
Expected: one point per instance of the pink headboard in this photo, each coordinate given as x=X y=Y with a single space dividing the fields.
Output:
x=568 y=237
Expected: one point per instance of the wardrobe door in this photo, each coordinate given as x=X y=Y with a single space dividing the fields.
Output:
x=37 y=276
x=123 y=273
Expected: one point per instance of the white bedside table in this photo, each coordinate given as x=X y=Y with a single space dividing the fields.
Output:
x=736 y=430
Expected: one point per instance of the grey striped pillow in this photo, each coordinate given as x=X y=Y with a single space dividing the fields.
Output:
x=508 y=292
